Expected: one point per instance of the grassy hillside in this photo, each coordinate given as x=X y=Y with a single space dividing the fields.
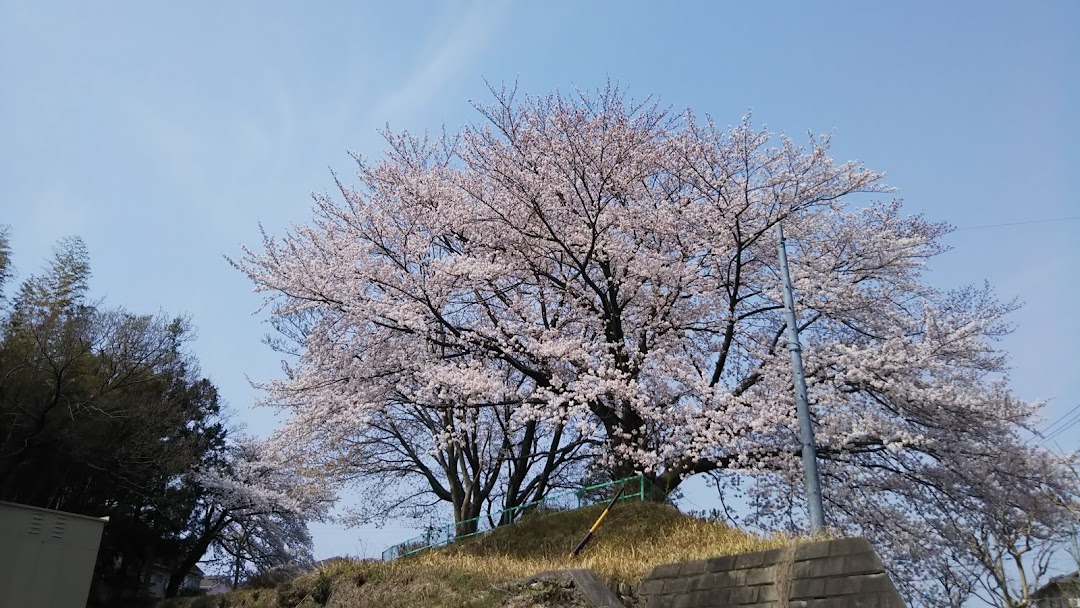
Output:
x=480 y=572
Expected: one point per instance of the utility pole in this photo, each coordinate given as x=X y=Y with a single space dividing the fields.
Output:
x=802 y=406
x=1075 y=545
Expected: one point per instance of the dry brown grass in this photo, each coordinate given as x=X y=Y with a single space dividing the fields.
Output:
x=243 y=598
x=634 y=538
x=414 y=584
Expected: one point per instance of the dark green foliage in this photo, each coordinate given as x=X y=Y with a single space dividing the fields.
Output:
x=102 y=412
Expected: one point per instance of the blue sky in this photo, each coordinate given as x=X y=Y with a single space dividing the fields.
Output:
x=163 y=133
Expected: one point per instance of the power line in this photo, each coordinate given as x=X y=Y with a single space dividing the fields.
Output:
x=1056 y=219
x=1060 y=424
x=1060 y=418
x=1071 y=423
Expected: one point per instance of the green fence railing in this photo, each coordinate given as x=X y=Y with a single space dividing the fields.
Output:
x=566 y=501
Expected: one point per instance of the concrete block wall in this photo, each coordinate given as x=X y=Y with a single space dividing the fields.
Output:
x=843 y=573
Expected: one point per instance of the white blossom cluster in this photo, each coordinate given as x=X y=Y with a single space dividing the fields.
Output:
x=258 y=479
x=612 y=267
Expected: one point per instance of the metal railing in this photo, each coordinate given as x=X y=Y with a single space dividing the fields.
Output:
x=566 y=501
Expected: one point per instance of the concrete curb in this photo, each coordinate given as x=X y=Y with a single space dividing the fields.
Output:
x=594 y=589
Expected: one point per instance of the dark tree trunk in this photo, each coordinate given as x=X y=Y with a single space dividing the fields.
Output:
x=237 y=562
x=194 y=554
x=469 y=517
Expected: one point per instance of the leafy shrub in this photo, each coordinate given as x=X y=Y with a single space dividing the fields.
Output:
x=324 y=582
x=291 y=593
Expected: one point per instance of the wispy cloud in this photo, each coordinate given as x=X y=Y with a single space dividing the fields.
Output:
x=459 y=37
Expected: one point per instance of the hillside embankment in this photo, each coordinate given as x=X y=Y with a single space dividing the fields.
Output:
x=507 y=567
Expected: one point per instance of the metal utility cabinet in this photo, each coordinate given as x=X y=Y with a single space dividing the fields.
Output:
x=46 y=557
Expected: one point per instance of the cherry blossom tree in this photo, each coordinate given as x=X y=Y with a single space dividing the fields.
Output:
x=1012 y=538
x=406 y=458
x=610 y=267
x=262 y=542
x=256 y=490
x=429 y=444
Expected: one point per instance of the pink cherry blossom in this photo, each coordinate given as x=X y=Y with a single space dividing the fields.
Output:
x=610 y=267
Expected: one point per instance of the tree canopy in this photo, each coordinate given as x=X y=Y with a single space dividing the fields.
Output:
x=610 y=267
x=104 y=412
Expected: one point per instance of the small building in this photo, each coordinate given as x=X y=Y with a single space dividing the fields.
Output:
x=155 y=580
x=215 y=584
x=1059 y=592
x=48 y=556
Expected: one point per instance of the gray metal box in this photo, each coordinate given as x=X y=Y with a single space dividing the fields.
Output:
x=46 y=557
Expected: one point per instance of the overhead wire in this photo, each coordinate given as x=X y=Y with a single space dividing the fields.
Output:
x=1059 y=419
x=1071 y=422
x=1068 y=419
x=1055 y=219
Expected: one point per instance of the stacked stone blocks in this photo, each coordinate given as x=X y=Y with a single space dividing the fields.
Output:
x=843 y=573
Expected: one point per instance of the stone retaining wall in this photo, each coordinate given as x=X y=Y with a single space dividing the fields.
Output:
x=844 y=573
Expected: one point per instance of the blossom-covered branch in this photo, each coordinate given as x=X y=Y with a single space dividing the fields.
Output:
x=610 y=268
